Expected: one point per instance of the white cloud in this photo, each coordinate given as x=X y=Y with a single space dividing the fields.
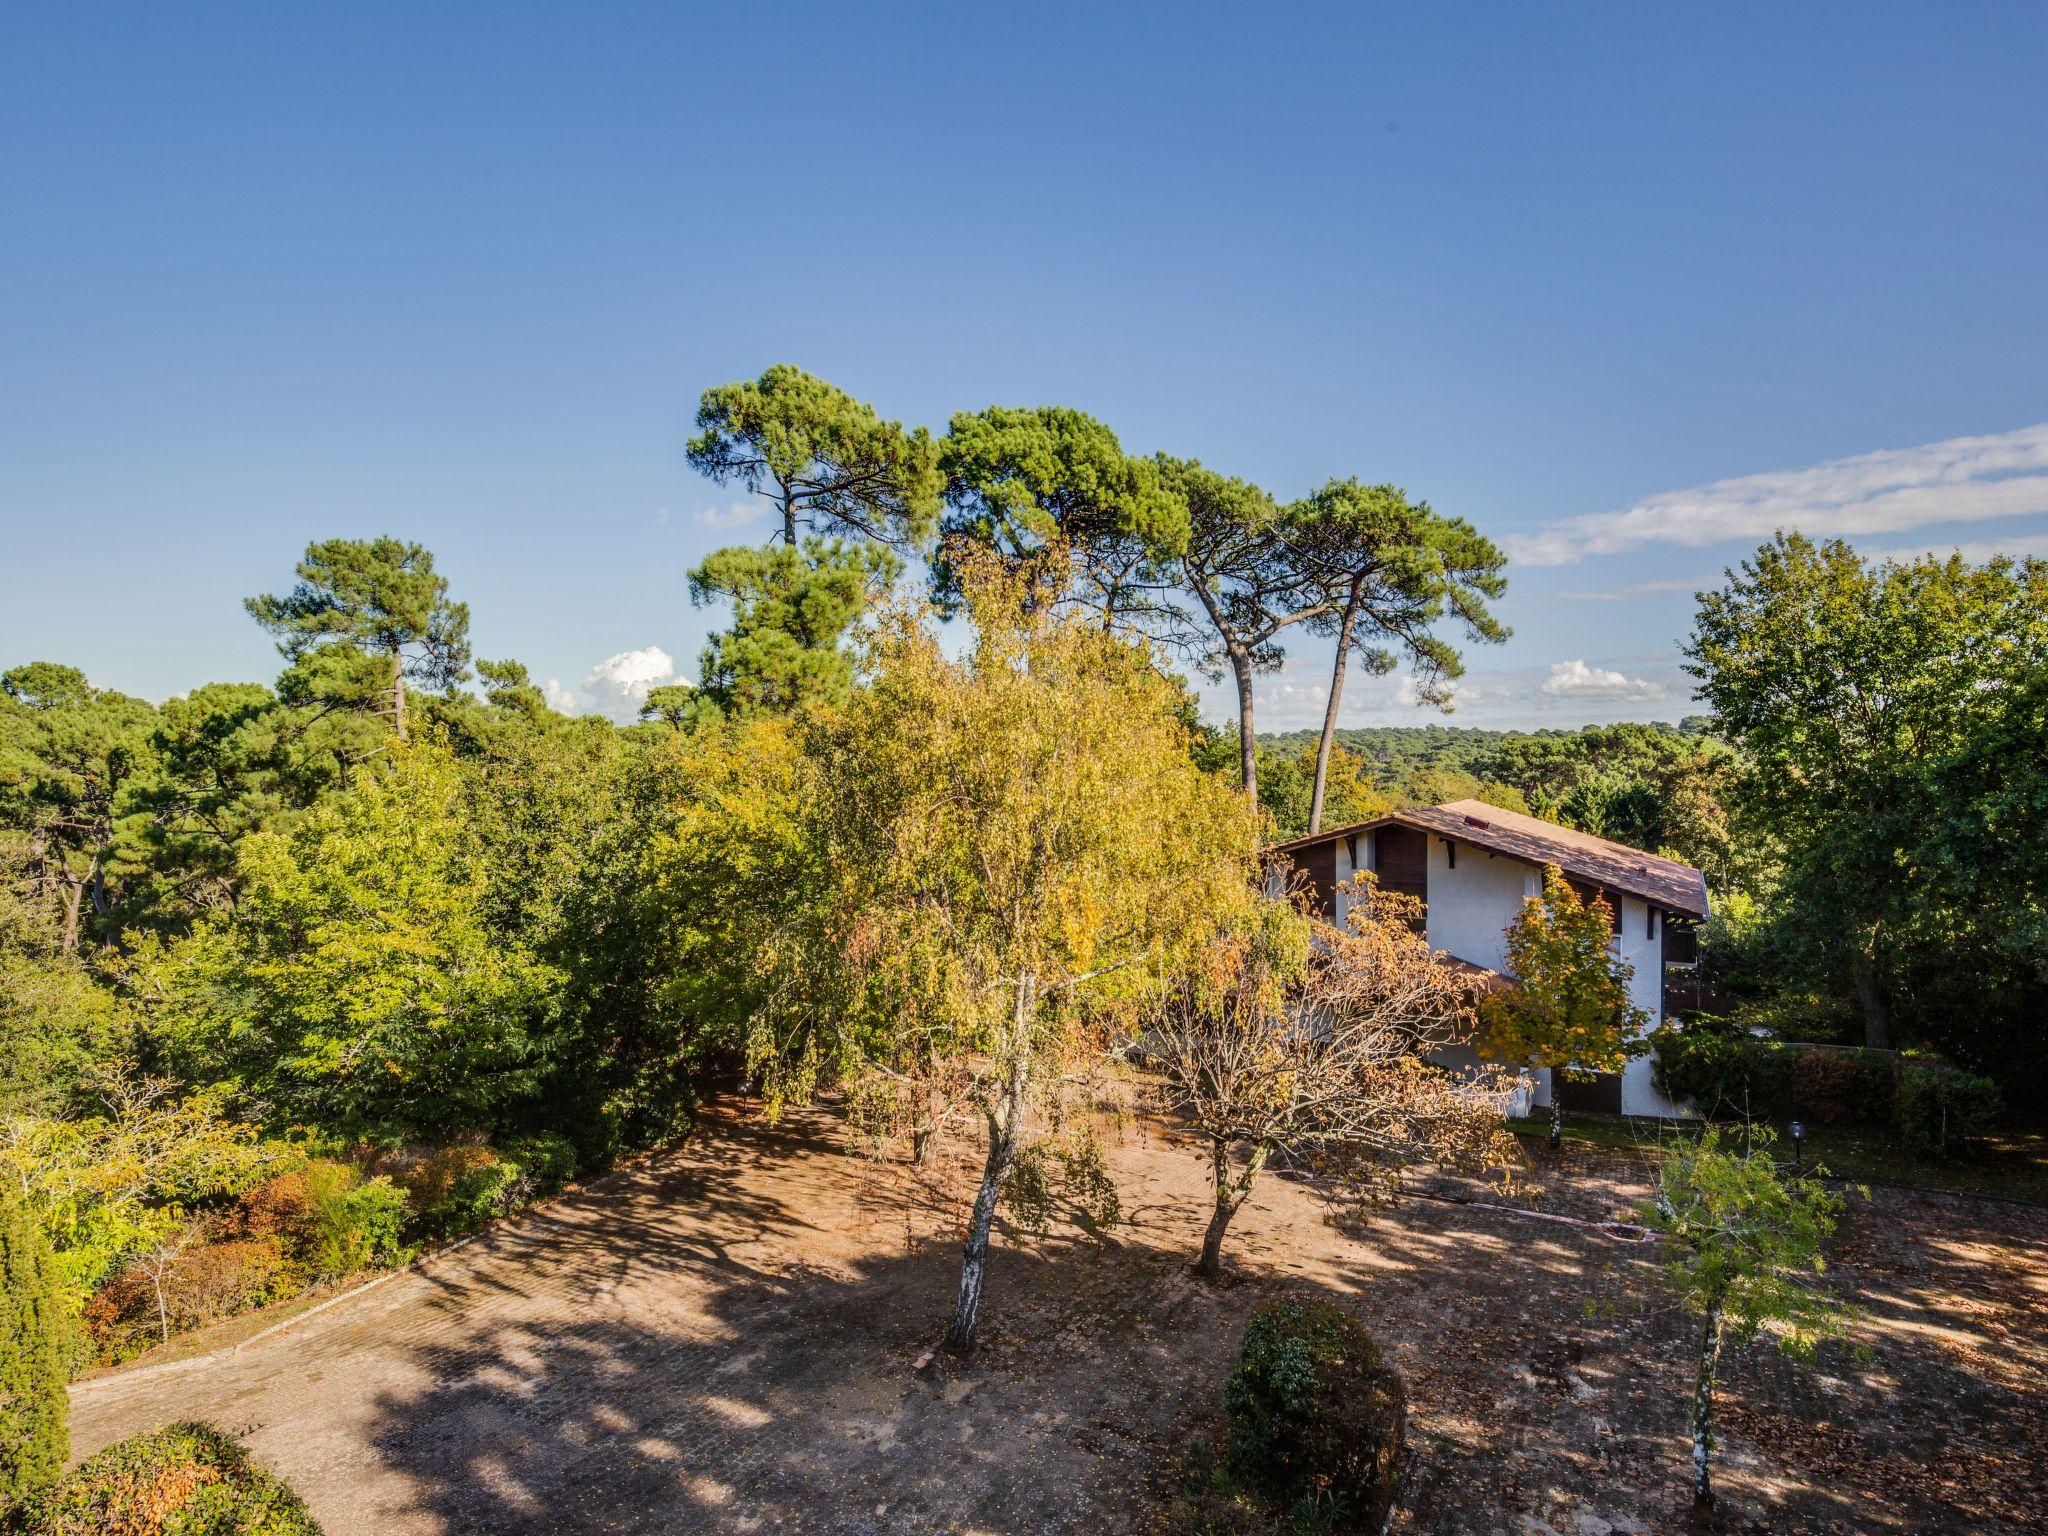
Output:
x=1961 y=480
x=1294 y=696
x=1576 y=680
x=617 y=685
x=559 y=697
x=738 y=515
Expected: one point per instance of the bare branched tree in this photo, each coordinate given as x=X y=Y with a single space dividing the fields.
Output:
x=1328 y=1067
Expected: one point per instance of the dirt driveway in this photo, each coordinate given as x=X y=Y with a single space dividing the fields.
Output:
x=724 y=1339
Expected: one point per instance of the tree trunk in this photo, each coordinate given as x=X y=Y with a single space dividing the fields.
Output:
x=787 y=501
x=1556 y=1115
x=398 y=690
x=1247 y=738
x=1330 y=708
x=1703 y=1410
x=1230 y=1196
x=71 y=905
x=1877 y=1015
x=1005 y=1125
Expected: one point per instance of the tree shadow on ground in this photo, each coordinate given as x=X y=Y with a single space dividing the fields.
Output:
x=754 y=1369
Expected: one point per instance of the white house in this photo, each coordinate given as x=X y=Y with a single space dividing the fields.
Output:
x=1473 y=865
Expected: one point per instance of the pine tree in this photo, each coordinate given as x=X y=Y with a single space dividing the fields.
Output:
x=34 y=1436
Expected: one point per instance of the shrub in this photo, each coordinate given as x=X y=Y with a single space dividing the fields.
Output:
x=1841 y=1087
x=355 y=1223
x=456 y=1189
x=187 y=1480
x=33 y=1435
x=1729 y=1073
x=1724 y=1072
x=1317 y=1420
x=1942 y=1109
x=546 y=1162
x=325 y=1217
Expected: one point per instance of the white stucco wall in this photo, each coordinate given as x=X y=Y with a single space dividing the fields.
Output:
x=1470 y=909
x=1472 y=906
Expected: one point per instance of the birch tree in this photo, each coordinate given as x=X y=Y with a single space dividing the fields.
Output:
x=1742 y=1248
x=1321 y=1055
x=1014 y=849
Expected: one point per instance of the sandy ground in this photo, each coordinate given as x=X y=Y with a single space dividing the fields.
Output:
x=725 y=1339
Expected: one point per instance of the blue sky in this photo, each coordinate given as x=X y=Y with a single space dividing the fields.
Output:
x=459 y=273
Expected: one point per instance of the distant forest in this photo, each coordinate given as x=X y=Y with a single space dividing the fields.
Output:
x=1395 y=751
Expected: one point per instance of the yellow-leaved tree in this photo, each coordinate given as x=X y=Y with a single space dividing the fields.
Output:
x=1568 y=1008
x=1012 y=851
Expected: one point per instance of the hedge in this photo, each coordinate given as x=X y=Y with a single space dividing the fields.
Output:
x=1729 y=1075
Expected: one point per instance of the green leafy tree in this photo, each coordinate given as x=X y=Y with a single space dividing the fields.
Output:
x=357 y=983
x=1742 y=1248
x=1010 y=851
x=68 y=754
x=1022 y=480
x=1851 y=688
x=57 y=1017
x=510 y=689
x=673 y=704
x=1382 y=573
x=34 y=1434
x=826 y=460
x=1237 y=562
x=1568 y=1006
x=367 y=618
x=791 y=609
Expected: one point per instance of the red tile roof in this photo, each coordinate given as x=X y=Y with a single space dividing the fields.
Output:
x=1662 y=882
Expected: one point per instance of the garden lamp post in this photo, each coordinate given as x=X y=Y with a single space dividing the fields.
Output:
x=1798 y=1158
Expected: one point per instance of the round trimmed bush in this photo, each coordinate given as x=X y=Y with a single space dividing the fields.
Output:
x=1318 y=1421
x=187 y=1480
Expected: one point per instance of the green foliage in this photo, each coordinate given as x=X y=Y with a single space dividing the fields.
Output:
x=68 y=755
x=791 y=608
x=34 y=1438
x=357 y=984
x=107 y=1185
x=675 y=705
x=1893 y=723
x=463 y=1187
x=367 y=618
x=1385 y=570
x=1942 y=1110
x=1729 y=1073
x=1317 y=1419
x=1742 y=1241
x=1569 y=1007
x=828 y=461
x=357 y=1223
x=1021 y=480
x=187 y=1480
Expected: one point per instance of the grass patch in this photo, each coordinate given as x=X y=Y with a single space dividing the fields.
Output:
x=2012 y=1164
